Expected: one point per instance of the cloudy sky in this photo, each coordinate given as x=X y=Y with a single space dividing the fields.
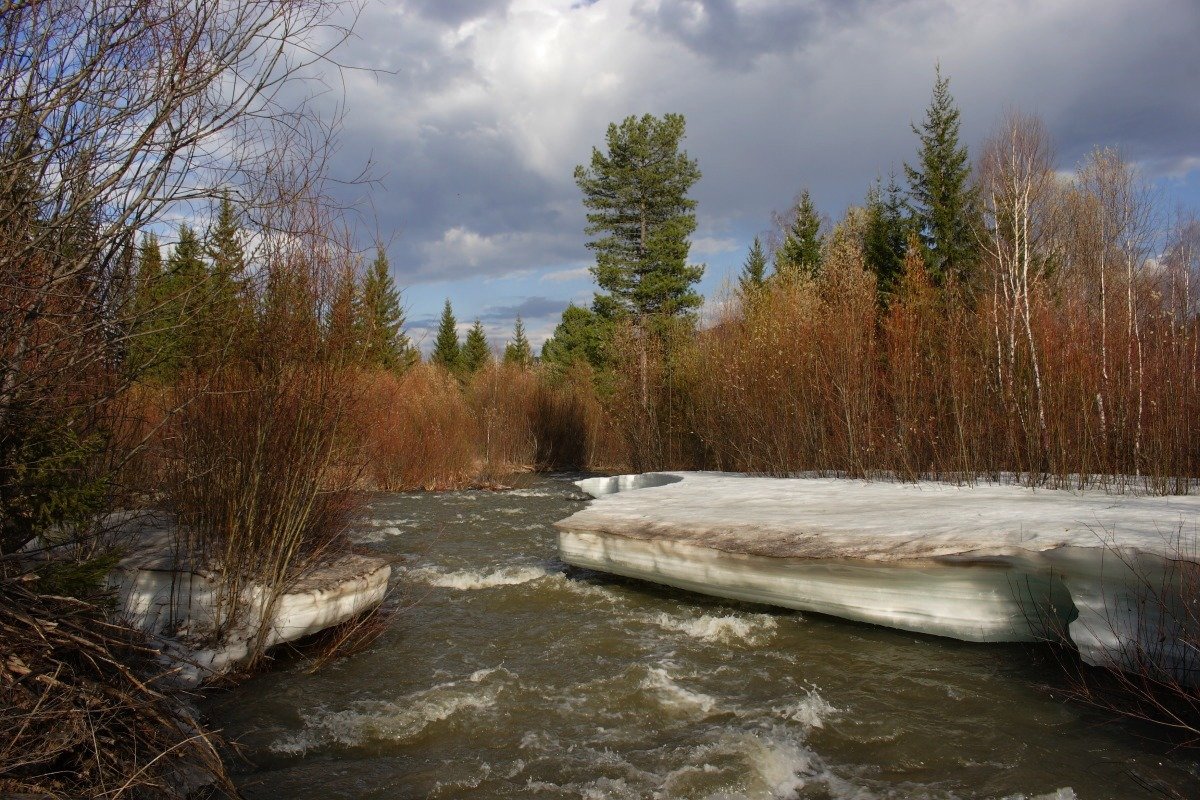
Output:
x=481 y=109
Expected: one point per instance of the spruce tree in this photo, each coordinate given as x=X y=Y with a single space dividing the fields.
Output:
x=800 y=252
x=640 y=218
x=384 y=340
x=226 y=256
x=343 y=327
x=581 y=336
x=754 y=271
x=148 y=324
x=227 y=312
x=943 y=202
x=446 y=351
x=183 y=305
x=518 y=350
x=885 y=239
x=476 y=352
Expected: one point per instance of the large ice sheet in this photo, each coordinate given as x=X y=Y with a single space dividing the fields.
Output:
x=980 y=563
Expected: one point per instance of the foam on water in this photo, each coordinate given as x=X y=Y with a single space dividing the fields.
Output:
x=375 y=535
x=540 y=491
x=753 y=629
x=467 y=580
x=670 y=695
x=811 y=711
x=382 y=720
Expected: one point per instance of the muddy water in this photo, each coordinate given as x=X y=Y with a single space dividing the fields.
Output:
x=506 y=674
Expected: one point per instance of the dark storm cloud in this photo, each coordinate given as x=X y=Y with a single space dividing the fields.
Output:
x=456 y=12
x=533 y=308
x=727 y=34
x=485 y=107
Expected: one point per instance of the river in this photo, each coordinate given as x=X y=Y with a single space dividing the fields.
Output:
x=503 y=673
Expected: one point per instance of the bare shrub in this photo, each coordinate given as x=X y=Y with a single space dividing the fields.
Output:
x=420 y=431
x=253 y=479
x=503 y=399
x=1149 y=627
x=571 y=426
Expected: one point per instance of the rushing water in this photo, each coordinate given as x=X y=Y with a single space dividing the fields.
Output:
x=505 y=674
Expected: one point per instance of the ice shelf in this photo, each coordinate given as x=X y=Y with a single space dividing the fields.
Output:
x=984 y=563
x=163 y=594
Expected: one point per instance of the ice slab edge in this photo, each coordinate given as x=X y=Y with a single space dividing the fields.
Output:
x=177 y=606
x=1049 y=582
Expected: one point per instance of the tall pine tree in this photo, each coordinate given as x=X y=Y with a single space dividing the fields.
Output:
x=518 y=350
x=943 y=202
x=384 y=340
x=754 y=271
x=446 y=351
x=640 y=218
x=800 y=252
x=476 y=352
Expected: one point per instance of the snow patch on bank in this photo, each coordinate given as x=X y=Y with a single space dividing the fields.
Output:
x=179 y=603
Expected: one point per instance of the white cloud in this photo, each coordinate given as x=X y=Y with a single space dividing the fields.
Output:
x=711 y=245
x=580 y=273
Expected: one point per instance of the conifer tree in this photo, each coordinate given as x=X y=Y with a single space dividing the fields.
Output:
x=518 y=350
x=182 y=303
x=944 y=204
x=800 y=252
x=581 y=335
x=227 y=313
x=446 y=351
x=754 y=271
x=885 y=239
x=385 y=342
x=148 y=323
x=343 y=329
x=289 y=305
x=476 y=352
x=640 y=218
x=226 y=255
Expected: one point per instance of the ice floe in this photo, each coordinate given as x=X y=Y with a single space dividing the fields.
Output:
x=978 y=563
x=178 y=602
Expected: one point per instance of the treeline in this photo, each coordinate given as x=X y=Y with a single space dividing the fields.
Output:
x=991 y=318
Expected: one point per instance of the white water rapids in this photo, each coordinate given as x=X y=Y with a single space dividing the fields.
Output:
x=505 y=674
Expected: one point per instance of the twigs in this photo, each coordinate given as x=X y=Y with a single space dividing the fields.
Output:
x=88 y=710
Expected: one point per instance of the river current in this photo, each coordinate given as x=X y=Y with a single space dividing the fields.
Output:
x=503 y=673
